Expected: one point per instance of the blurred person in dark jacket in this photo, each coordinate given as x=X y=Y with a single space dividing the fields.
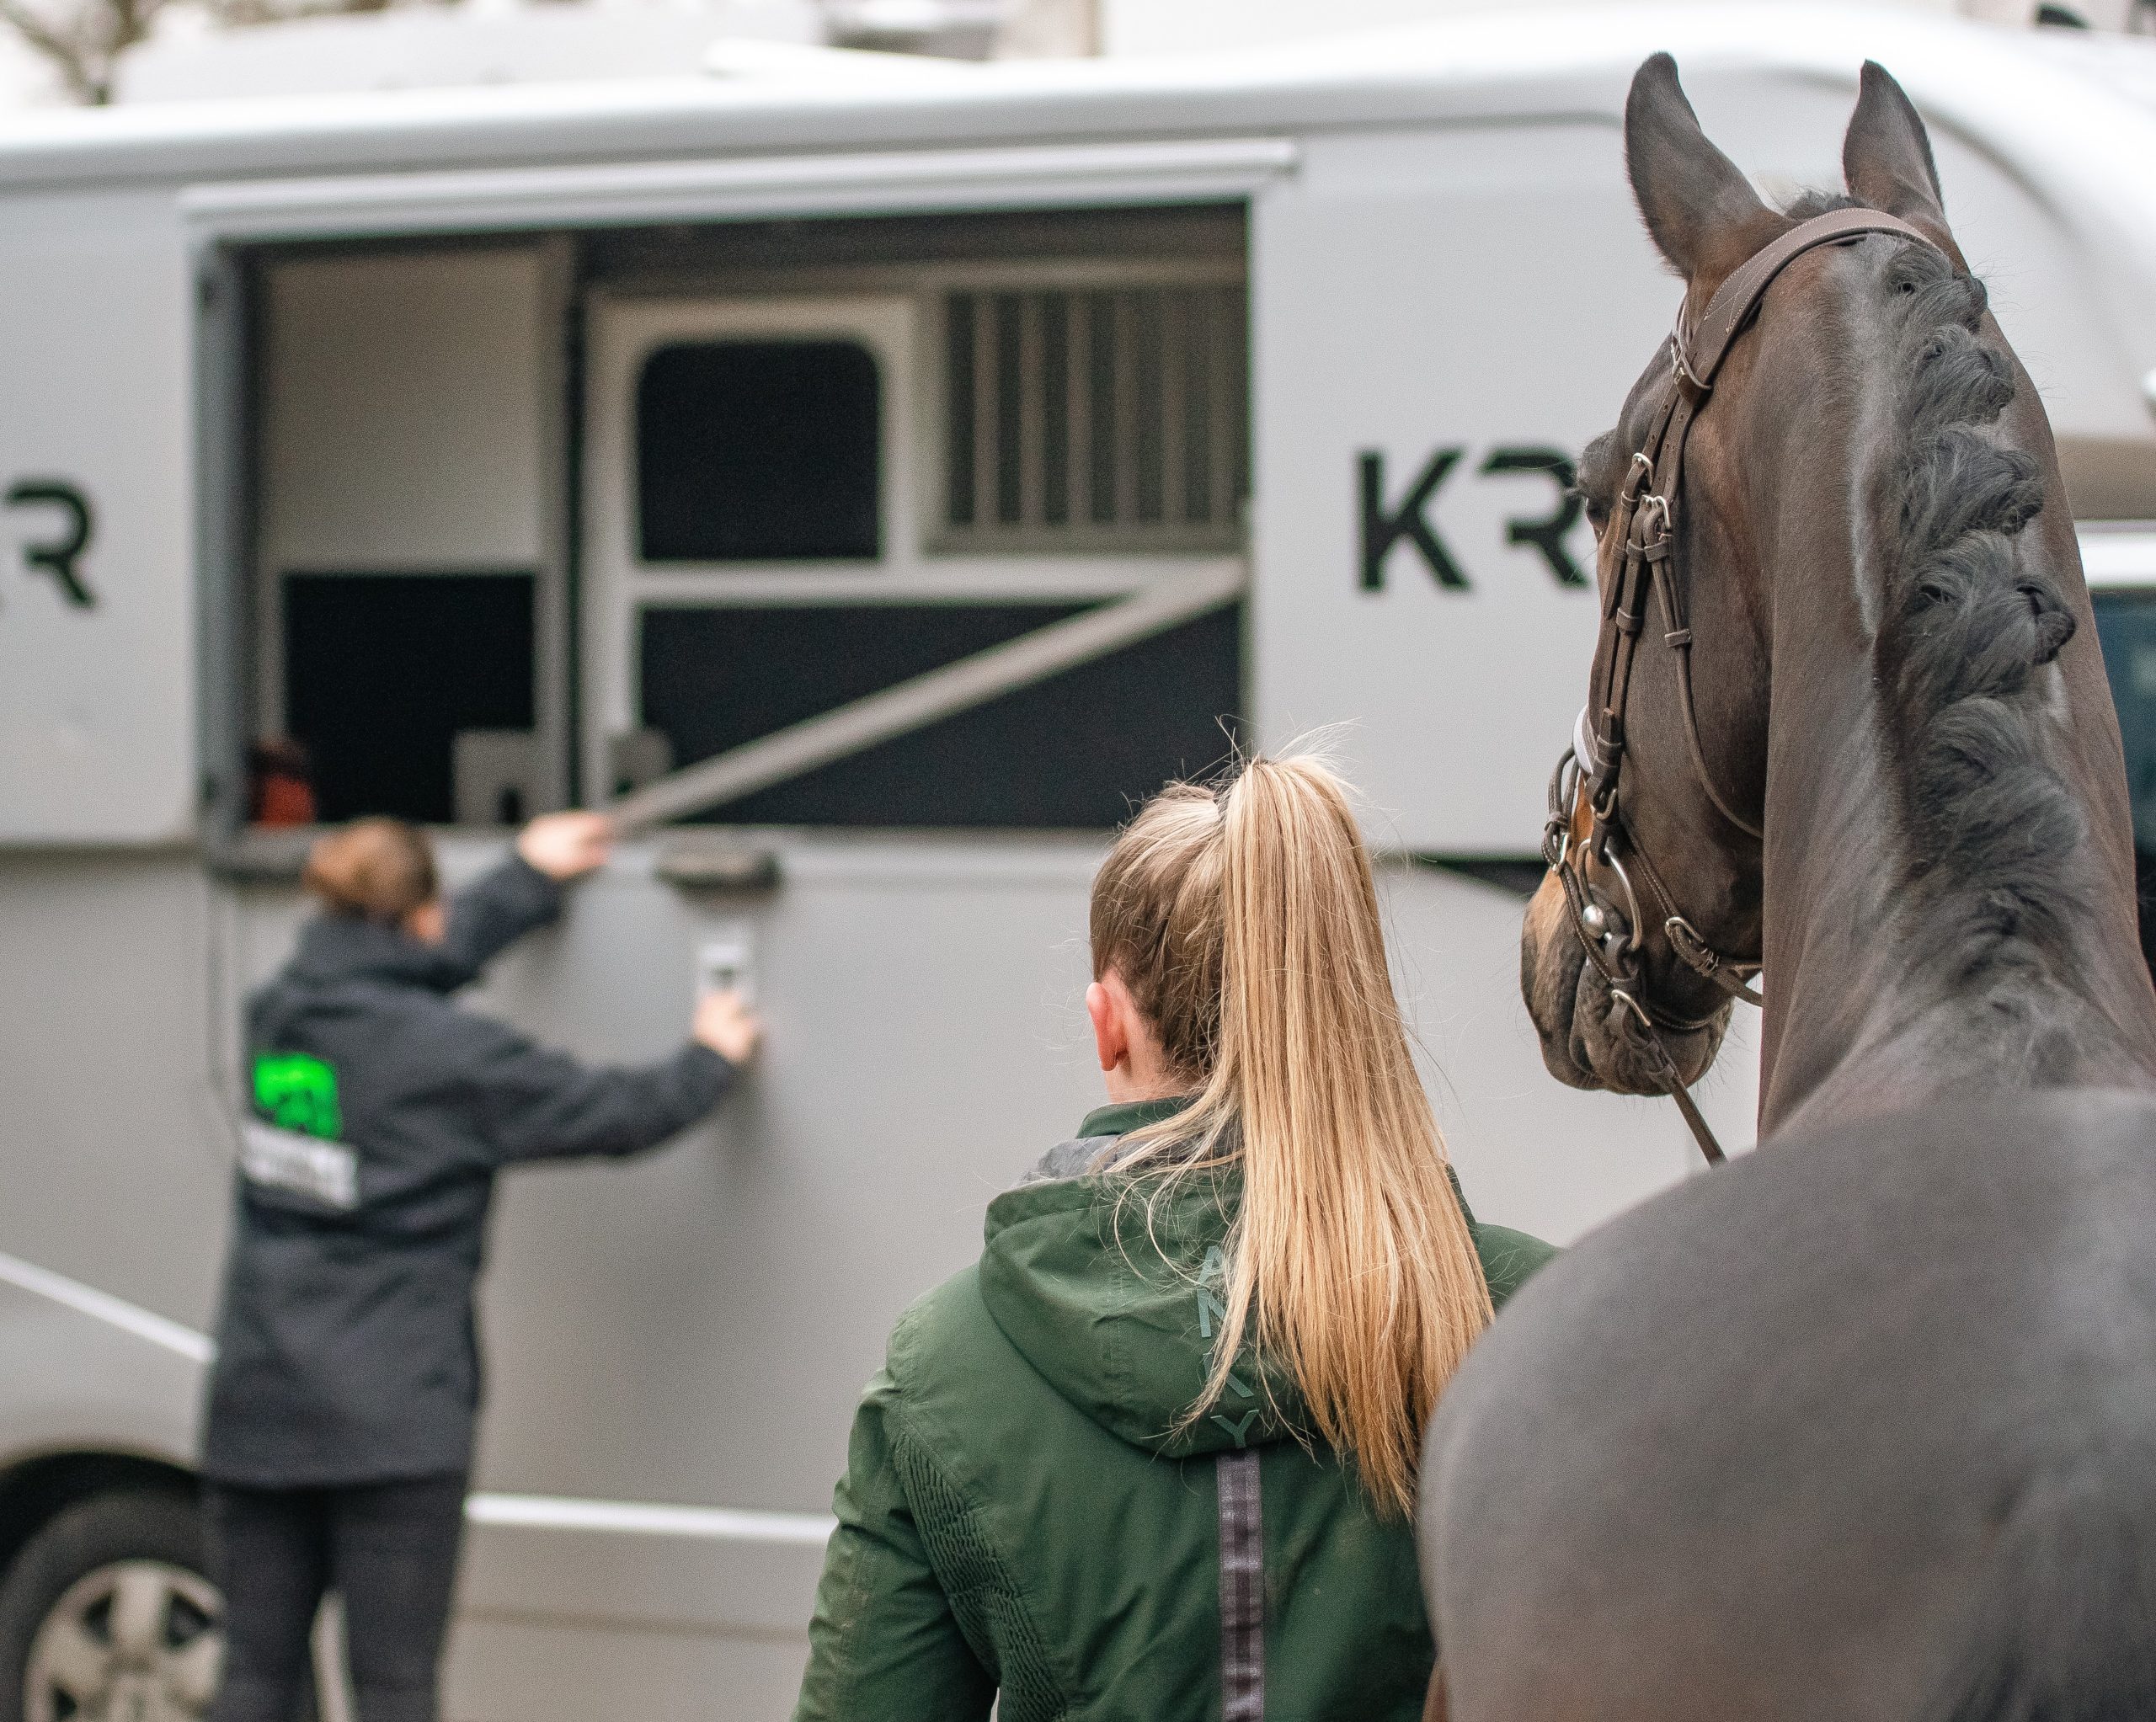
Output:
x=340 y=1427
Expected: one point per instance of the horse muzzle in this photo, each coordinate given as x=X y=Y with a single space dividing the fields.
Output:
x=1591 y=1037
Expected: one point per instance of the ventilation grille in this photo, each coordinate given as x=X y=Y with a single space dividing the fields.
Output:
x=1099 y=420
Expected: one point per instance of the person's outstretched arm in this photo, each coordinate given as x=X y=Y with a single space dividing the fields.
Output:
x=535 y=1103
x=525 y=892
x=884 y=1643
x=496 y=910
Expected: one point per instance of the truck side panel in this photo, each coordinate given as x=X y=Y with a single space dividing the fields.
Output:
x=117 y=1148
x=1443 y=319
x=97 y=662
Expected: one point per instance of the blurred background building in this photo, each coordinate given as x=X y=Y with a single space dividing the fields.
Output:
x=54 y=52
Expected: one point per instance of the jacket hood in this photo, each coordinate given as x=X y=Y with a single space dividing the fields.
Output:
x=1113 y=1290
x=338 y=947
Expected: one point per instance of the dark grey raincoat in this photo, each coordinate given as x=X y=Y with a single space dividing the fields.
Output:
x=346 y=1349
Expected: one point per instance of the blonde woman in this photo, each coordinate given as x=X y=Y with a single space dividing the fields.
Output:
x=1153 y=1458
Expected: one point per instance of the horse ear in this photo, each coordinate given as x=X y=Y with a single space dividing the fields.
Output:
x=1886 y=159
x=1702 y=210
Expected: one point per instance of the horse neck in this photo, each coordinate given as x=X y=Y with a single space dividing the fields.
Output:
x=1907 y=956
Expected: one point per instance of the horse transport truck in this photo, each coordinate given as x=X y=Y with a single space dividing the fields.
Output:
x=871 y=487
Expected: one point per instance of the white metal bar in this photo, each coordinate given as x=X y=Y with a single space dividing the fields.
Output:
x=614 y=194
x=102 y=1306
x=534 y=1512
x=1013 y=577
x=926 y=699
x=552 y=611
x=333 y=1677
x=724 y=1524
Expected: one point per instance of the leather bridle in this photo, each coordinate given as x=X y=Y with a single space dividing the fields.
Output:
x=1644 y=519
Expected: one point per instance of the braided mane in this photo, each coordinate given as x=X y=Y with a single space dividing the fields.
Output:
x=1969 y=622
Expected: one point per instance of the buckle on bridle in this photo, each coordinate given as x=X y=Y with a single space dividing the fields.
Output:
x=1655 y=506
x=1687 y=378
x=1564 y=797
x=1628 y=936
x=1695 y=953
x=1709 y=964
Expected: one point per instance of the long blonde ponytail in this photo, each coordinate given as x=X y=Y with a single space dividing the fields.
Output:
x=1245 y=922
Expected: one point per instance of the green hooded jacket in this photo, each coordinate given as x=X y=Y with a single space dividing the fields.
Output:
x=1027 y=1513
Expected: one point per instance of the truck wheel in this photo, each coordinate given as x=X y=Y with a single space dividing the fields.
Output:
x=105 y=1616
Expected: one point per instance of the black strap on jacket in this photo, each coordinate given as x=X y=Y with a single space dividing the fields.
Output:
x=1242 y=1588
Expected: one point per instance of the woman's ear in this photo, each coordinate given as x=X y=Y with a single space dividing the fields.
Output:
x=1111 y=1032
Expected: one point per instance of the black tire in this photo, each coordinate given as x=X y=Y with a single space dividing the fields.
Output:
x=157 y=1533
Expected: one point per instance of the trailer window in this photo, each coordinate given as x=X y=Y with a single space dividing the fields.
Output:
x=1076 y=751
x=384 y=672
x=1094 y=420
x=758 y=452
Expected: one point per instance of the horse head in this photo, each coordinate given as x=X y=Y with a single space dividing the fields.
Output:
x=1754 y=508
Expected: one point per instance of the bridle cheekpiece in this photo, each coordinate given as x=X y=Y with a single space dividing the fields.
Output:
x=1613 y=932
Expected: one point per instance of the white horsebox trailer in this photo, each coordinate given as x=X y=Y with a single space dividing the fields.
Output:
x=881 y=484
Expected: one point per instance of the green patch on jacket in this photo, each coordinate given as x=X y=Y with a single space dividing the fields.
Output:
x=296 y=1091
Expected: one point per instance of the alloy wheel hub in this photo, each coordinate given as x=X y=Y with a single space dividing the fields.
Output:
x=134 y=1641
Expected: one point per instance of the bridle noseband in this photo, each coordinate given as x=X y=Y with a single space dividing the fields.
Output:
x=1612 y=934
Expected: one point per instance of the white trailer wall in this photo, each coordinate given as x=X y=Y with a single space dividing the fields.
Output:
x=97 y=698
x=1472 y=250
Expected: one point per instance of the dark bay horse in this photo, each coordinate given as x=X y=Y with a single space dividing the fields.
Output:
x=1864 y=1424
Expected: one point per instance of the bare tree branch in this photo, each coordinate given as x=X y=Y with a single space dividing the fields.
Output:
x=85 y=39
x=72 y=57
x=86 y=44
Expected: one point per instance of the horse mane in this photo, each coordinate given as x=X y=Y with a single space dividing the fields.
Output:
x=1991 y=824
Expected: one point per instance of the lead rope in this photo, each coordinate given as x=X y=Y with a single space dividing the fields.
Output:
x=1673 y=1084
x=1665 y=1067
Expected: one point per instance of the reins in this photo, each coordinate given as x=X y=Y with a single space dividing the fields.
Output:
x=1645 y=520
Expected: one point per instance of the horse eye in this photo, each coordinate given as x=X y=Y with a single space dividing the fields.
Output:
x=1598 y=514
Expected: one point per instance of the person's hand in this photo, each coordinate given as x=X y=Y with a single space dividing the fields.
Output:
x=566 y=846
x=725 y=1023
